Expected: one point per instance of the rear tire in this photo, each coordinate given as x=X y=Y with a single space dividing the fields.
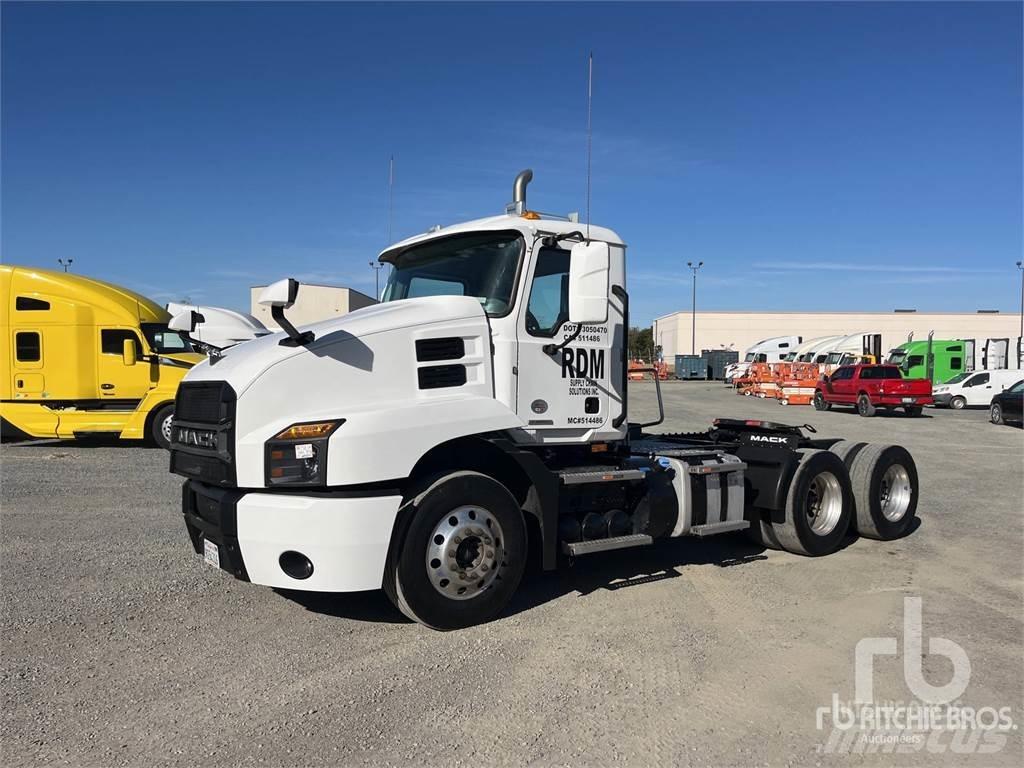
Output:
x=160 y=426
x=885 y=490
x=819 y=505
x=864 y=406
x=958 y=403
x=995 y=414
x=449 y=575
x=820 y=403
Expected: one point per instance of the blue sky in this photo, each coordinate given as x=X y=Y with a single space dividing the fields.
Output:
x=814 y=156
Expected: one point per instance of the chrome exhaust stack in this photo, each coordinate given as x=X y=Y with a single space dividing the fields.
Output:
x=518 y=204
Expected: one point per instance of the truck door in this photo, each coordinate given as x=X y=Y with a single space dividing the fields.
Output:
x=995 y=354
x=27 y=365
x=978 y=389
x=118 y=381
x=841 y=385
x=562 y=395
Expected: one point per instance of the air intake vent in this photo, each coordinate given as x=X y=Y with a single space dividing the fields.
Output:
x=904 y=311
x=448 y=348
x=438 y=376
x=988 y=311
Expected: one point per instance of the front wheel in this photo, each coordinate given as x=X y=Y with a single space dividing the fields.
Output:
x=819 y=402
x=462 y=555
x=958 y=403
x=995 y=414
x=160 y=426
x=864 y=406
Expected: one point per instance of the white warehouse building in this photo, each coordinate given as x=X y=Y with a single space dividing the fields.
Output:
x=741 y=330
x=313 y=304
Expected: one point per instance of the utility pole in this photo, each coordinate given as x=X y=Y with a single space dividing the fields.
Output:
x=67 y=263
x=1020 y=266
x=377 y=267
x=693 y=316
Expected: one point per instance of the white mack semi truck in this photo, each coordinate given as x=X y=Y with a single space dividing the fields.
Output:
x=425 y=445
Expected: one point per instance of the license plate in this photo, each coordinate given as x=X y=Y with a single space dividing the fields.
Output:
x=211 y=553
x=908 y=399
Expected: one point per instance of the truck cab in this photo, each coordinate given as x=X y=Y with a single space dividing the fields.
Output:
x=427 y=444
x=766 y=351
x=81 y=357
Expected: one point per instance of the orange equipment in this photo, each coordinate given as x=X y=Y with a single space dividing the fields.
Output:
x=637 y=369
x=798 y=387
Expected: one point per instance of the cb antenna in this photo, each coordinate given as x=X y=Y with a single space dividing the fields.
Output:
x=590 y=100
x=391 y=190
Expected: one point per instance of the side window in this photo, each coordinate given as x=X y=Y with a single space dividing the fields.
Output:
x=28 y=304
x=981 y=378
x=28 y=347
x=914 y=360
x=548 y=306
x=842 y=373
x=956 y=363
x=112 y=341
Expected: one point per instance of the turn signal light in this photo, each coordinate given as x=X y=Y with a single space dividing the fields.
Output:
x=532 y=215
x=308 y=431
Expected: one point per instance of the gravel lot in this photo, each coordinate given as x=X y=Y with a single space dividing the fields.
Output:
x=121 y=647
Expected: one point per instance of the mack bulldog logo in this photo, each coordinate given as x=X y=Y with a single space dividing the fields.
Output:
x=582 y=363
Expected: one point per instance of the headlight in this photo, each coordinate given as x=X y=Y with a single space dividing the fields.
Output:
x=298 y=455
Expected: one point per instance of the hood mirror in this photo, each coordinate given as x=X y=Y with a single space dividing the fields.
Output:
x=280 y=296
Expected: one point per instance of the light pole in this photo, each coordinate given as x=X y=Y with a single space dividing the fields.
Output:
x=693 y=316
x=1020 y=266
x=377 y=267
x=67 y=263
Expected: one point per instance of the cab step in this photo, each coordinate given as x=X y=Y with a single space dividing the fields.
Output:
x=576 y=548
x=589 y=475
x=710 y=529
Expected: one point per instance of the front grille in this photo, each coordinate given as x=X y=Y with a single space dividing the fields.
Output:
x=208 y=469
x=207 y=402
x=203 y=435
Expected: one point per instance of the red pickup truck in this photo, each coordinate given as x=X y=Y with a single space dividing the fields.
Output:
x=868 y=387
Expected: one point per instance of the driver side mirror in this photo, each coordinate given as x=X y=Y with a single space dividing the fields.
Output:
x=128 y=352
x=589 y=268
x=825 y=377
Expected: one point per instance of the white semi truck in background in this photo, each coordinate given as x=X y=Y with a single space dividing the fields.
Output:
x=773 y=350
x=428 y=444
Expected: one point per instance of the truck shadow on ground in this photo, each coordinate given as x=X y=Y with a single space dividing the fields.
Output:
x=614 y=571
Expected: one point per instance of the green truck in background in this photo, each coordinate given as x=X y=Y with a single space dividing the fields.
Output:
x=938 y=360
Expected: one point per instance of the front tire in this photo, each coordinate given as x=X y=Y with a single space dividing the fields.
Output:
x=160 y=426
x=958 y=403
x=820 y=403
x=995 y=414
x=462 y=555
x=819 y=505
x=864 y=406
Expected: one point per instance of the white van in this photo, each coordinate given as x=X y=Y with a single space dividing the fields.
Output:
x=765 y=351
x=974 y=388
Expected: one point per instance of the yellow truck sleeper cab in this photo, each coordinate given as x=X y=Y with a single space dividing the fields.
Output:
x=79 y=356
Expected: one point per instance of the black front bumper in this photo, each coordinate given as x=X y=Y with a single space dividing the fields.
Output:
x=212 y=514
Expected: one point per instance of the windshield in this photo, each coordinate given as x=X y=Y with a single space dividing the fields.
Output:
x=834 y=358
x=896 y=356
x=483 y=265
x=749 y=358
x=959 y=377
x=163 y=340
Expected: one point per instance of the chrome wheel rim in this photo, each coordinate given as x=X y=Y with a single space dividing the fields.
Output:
x=465 y=553
x=958 y=403
x=165 y=428
x=824 y=505
x=996 y=413
x=895 y=493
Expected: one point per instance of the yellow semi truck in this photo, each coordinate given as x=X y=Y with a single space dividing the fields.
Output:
x=80 y=357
